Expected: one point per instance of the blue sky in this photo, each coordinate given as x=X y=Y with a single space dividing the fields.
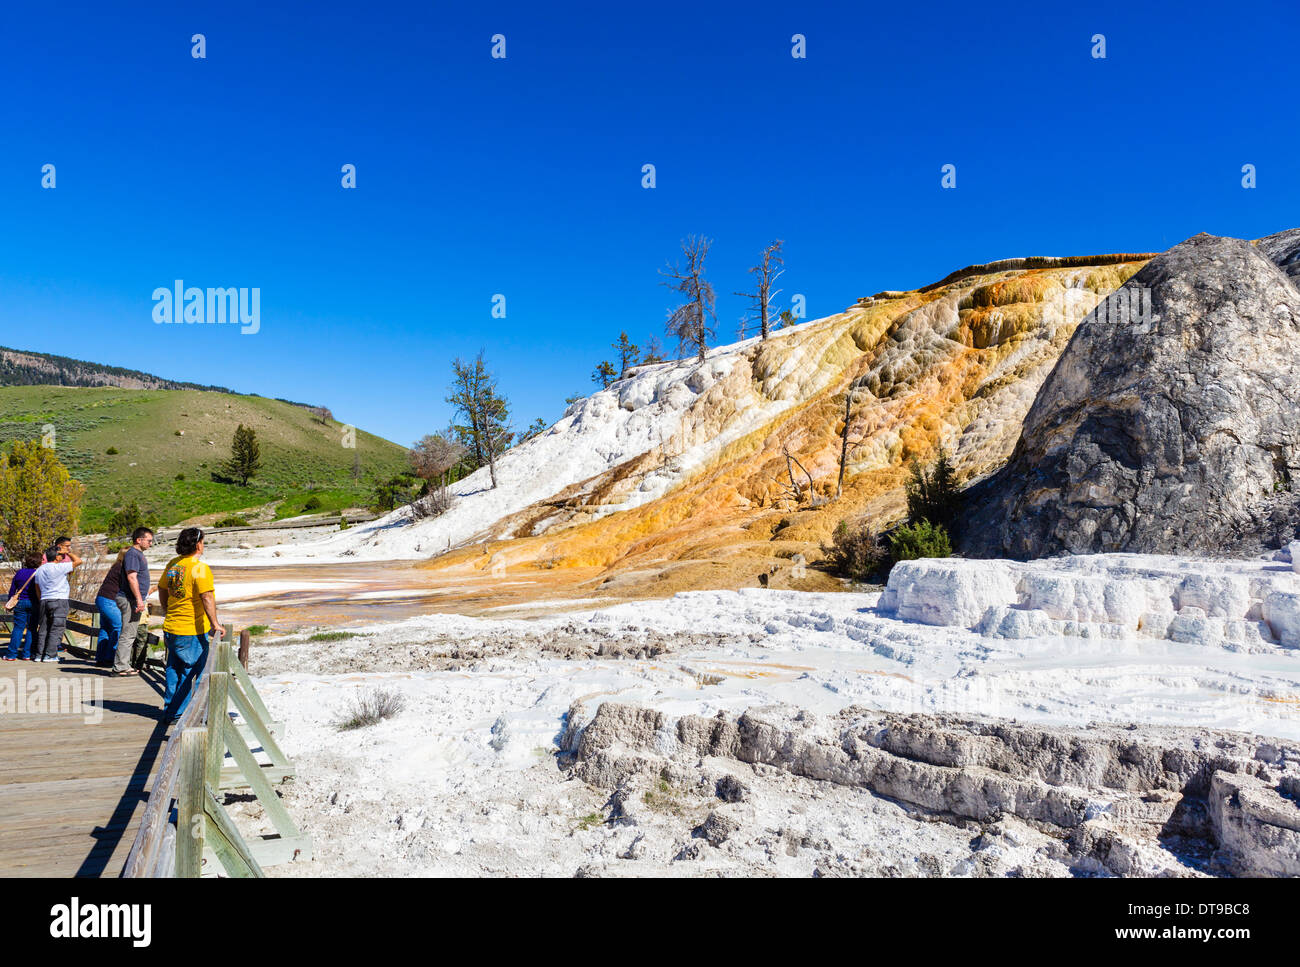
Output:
x=522 y=176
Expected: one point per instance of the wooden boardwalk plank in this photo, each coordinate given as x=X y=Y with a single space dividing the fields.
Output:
x=72 y=789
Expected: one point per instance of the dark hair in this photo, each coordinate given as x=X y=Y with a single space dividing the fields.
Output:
x=32 y=560
x=51 y=553
x=62 y=540
x=188 y=541
x=139 y=532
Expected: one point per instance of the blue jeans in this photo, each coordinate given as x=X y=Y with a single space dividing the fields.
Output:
x=187 y=656
x=24 y=632
x=110 y=626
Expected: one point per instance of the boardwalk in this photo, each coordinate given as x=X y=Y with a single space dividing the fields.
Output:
x=72 y=789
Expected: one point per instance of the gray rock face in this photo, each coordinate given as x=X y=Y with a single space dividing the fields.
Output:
x=1170 y=424
x=1284 y=249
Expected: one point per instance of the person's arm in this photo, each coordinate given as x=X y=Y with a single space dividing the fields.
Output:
x=133 y=579
x=75 y=561
x=210 y=606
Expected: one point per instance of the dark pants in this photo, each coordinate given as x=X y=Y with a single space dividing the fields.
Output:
x=24 y=631
x=133 y=637
x=54 y=619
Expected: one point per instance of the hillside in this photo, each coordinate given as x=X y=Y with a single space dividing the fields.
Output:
x=168 y=442
x=676 y=476
x=23 y=368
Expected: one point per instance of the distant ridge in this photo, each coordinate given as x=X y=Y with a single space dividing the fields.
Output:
x=19 y=367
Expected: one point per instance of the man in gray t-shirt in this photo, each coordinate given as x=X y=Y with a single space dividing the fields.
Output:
x=132 y=593
x=52 y=579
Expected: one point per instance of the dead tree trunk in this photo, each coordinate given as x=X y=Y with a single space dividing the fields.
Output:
x=844 y=442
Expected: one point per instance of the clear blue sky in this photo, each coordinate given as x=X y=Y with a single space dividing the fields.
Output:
x=523 y=176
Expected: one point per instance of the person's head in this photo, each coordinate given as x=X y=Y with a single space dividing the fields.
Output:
x=189 y=542
x=142 y=537
x=63 y=545
x=53 y=554
x=33 y=560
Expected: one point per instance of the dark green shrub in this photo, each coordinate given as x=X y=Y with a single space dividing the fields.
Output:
x=312 y=503
x=394 y=490
x=111 y=451
x=125 y=520
x=922 y=539
x=854 y=552
x=233 y=520
x=933 y=495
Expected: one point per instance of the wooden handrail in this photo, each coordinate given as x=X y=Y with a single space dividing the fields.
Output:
x=191 y=773
x=143 y=857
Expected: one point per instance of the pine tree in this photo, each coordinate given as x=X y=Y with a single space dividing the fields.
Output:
x=486 y=432
x=604 y=374
x=626 y=350
x=933 y=495
x=245 y=456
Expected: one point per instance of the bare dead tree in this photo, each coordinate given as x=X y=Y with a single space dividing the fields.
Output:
x=795 y=490
x=845 y=447
x=433 y=504
x=766 y=272
x=689 y=322
x=652 y=353
x=435 y=454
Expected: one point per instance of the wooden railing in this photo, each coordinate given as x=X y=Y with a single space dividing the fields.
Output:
x=90 y=629
x=194 y=775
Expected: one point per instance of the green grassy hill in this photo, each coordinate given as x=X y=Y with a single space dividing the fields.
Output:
x=169 y=441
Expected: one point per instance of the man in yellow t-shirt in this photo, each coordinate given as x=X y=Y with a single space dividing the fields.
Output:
x=188 y=597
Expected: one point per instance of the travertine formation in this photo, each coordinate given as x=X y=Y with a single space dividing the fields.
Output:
x=1239 y=605
x=697 y=486
x=1129 y=801
x=1171 y=423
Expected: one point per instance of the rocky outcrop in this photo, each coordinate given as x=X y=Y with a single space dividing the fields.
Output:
x=1170 y=423
x=1283 y=249
x=1123 y=800
x=20 y=368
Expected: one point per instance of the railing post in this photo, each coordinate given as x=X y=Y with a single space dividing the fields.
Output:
x=218 y=692
x=245 y=642
x=190 y=802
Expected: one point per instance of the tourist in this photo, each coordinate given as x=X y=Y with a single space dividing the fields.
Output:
x=123 y=635
x=132 y=593
x=25 y=597
x=190 y=605
x=51 y=579
x=110 y=615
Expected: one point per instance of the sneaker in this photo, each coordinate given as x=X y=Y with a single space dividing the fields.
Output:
x=7 y=658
